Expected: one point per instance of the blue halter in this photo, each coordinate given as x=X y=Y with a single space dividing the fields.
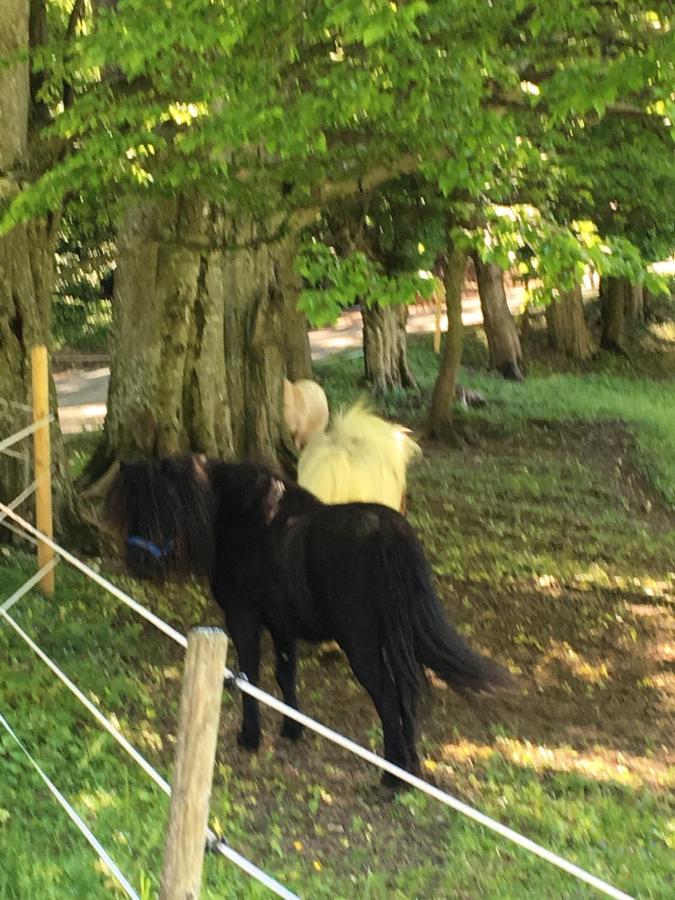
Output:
x=153 y=549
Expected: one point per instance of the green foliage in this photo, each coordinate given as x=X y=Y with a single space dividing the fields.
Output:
x=558 y=255
x=372 y=251
x=81 y=316
x=278 y=115
x=335 y=283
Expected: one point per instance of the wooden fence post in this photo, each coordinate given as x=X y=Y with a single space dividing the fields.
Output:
x=43 y=462
x=200 y=701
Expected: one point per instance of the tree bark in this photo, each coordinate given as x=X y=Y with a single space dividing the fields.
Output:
x=297 y=351
x=636 y=303
x=614 y=293
x=500 y=327
x=202 y=338
x=385 y=348
x=263 y=331
x=567 y=328
x=441 y=423
x=648 y=304
x=26 y=267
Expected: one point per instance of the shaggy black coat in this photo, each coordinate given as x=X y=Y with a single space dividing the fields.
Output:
x=278 y=558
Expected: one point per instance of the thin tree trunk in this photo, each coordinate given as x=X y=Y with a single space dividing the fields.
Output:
x=567 y=328
x=297 y=351
x=614 y=293
x=442 y=400
x=648 y=304
x=203 y=338
x=385 y=348
x=636 y=303
x=26 y=267
x=500 y=327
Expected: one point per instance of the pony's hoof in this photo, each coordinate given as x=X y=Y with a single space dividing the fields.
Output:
x=393 y=783
x=291 y=730
x=248 y=742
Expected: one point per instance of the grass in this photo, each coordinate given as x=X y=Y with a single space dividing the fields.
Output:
x=552 y=551
x=606 y=389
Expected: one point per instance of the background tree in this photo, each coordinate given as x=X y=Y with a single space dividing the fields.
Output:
x=501 y=332
x=371 y=251
x=27 y=270
x=241 y=127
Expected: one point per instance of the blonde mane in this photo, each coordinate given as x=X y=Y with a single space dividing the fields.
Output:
x=361 y=458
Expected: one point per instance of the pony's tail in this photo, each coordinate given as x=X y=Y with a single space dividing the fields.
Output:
x=439 y=646
x=419 y=633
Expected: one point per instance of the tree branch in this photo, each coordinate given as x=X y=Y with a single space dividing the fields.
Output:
x=329 y=191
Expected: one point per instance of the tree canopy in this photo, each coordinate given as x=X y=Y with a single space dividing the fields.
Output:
x=278 y=108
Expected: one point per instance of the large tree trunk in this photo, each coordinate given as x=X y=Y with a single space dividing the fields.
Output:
x=567 y=328
x=26 y=269
x=614 y=294
x=442 y=400
x=265 y=341
x=385 y=348
x=500 y=327
x=203 y=337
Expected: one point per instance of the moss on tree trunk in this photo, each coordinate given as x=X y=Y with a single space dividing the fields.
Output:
x=203 y=337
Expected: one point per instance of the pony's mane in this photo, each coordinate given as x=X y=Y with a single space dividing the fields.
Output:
x=361 y=458
x=166 y=500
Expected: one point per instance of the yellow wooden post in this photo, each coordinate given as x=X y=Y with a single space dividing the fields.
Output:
x=43 y=462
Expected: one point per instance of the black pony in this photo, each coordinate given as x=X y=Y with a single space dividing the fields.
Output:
x=277 y=557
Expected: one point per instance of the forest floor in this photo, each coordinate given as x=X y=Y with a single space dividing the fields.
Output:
x=552 y=538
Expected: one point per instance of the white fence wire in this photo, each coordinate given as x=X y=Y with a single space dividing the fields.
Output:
x=331 y=735
x=24 y=432
x=215 y=843
x=24 y=495
x=27 y=586
x=82 y=826
x=14 y=404
x=17 y=454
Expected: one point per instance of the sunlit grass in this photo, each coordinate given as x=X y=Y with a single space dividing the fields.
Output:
x=548 y=553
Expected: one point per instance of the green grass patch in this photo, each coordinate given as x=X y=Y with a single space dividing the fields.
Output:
x=603 y=390
x=551 y=552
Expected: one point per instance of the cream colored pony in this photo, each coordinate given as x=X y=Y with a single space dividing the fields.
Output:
x=361 y=459
x=305 y=409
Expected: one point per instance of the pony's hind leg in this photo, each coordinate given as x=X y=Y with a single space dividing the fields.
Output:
x=408 y=707
x=369 y=667
x=244 y=630
x=286 y=650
